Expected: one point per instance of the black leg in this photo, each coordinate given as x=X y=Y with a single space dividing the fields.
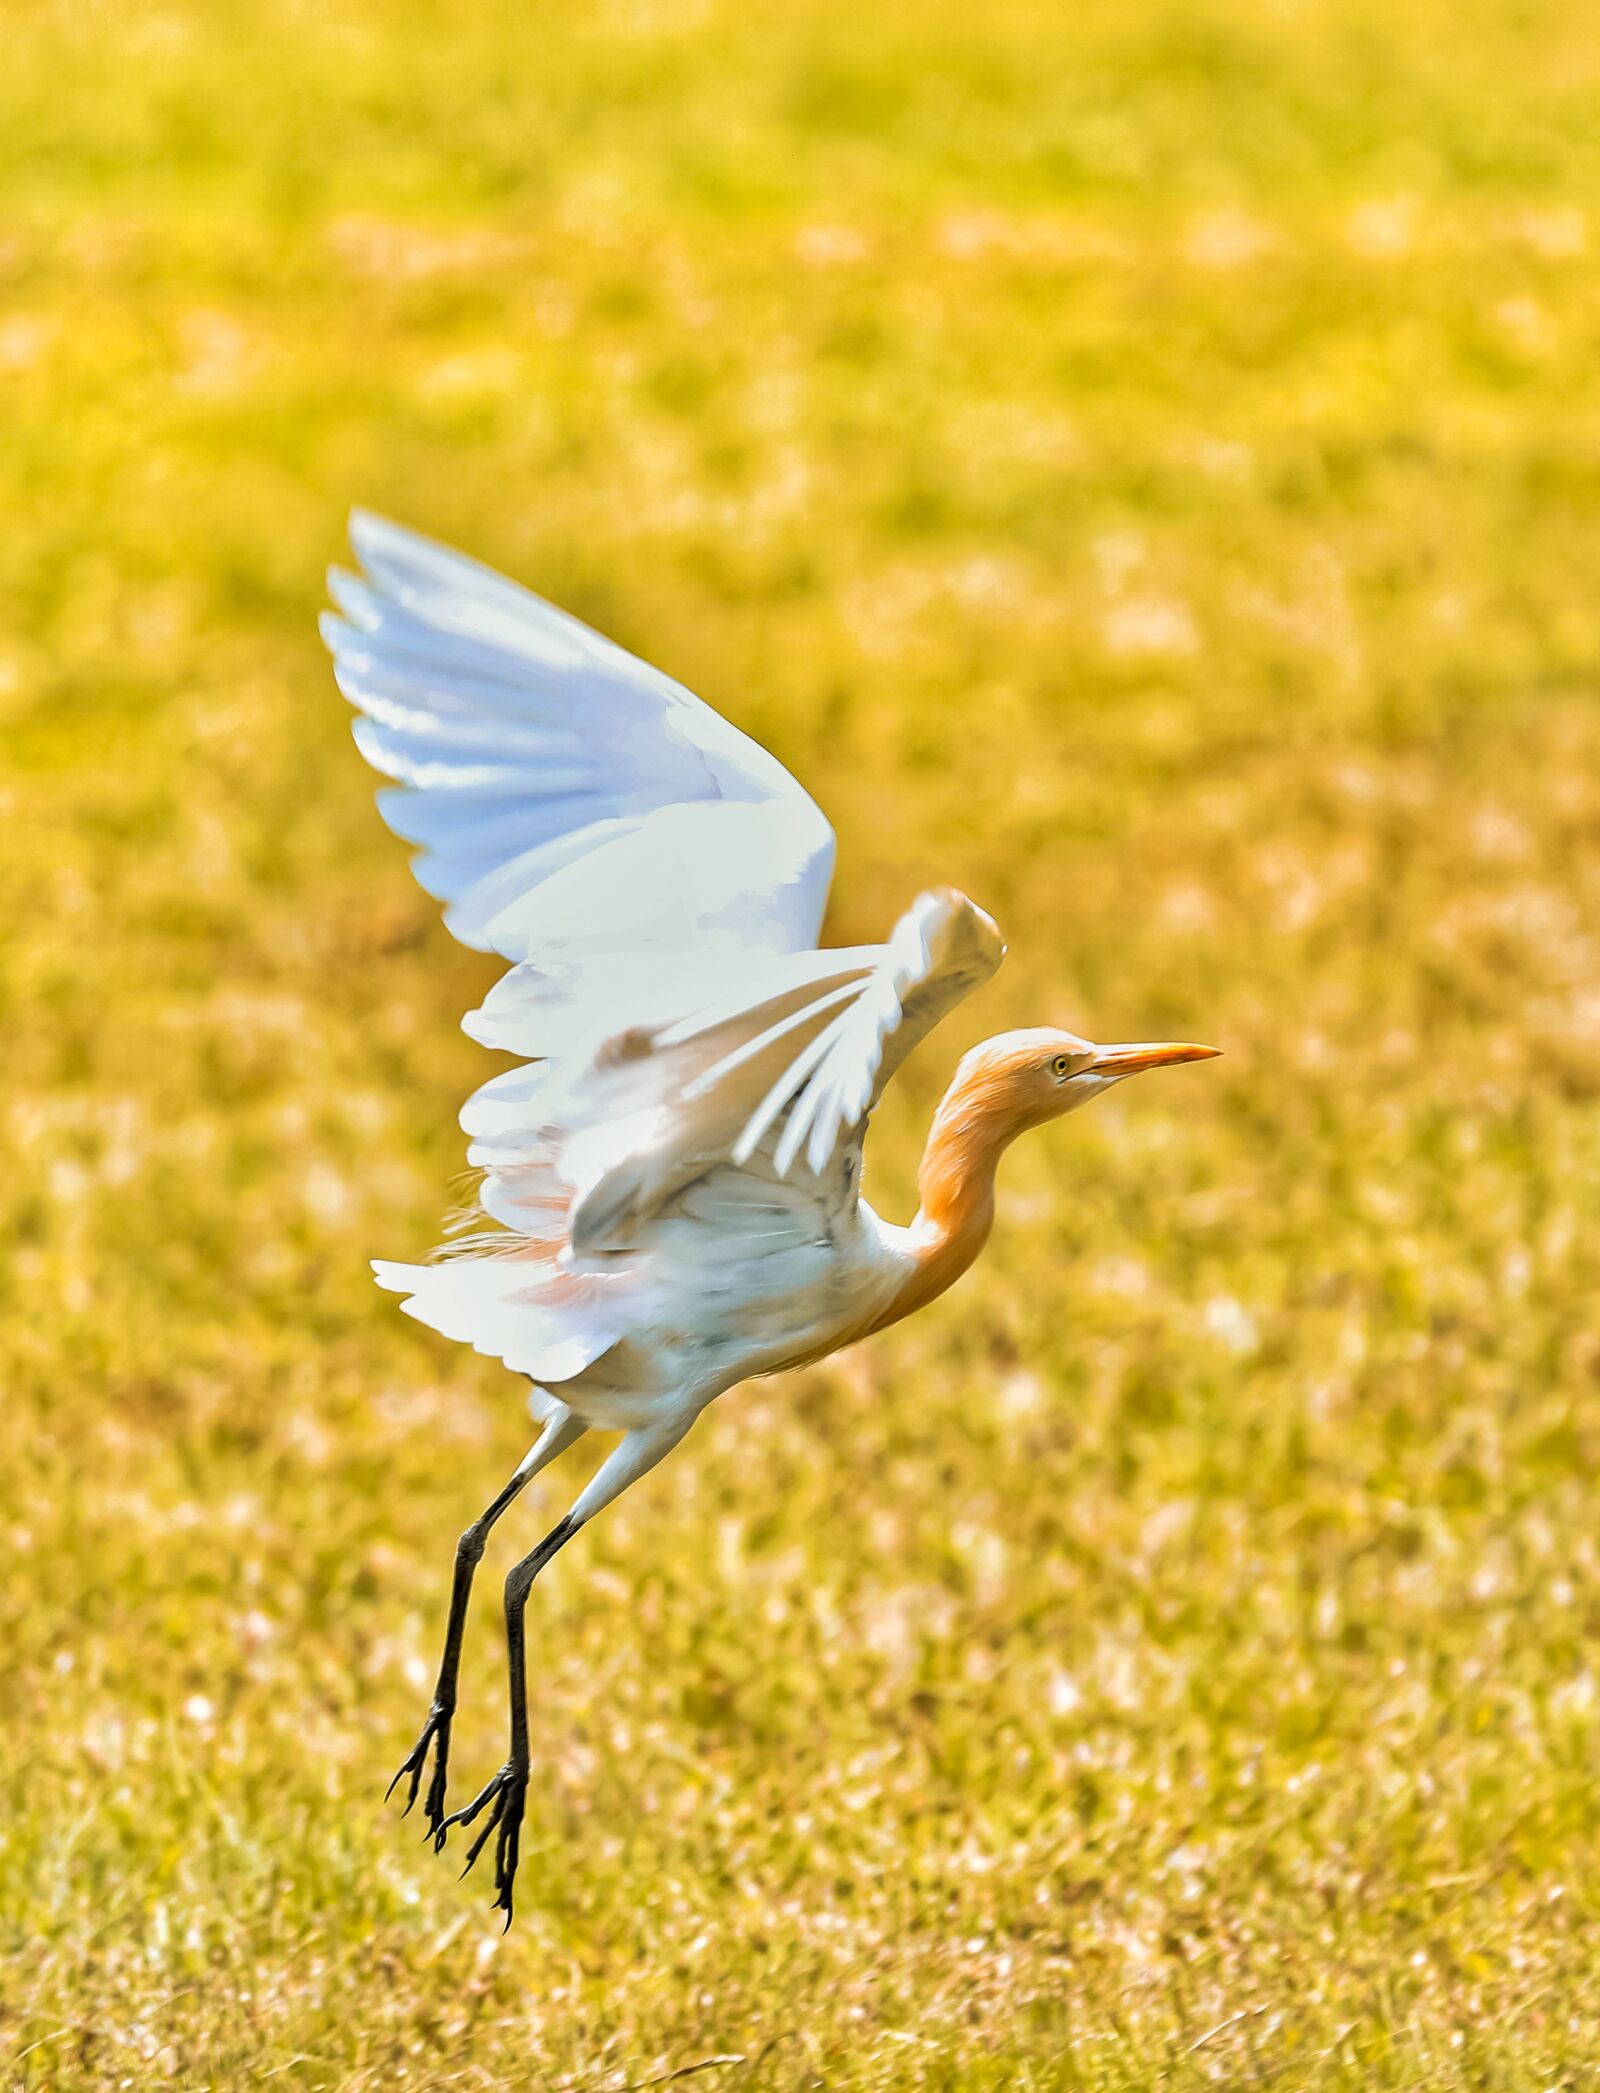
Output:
x=469 y=1553
x=634 y=1455
x=508 y=1790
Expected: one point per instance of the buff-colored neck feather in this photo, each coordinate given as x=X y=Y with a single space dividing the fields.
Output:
x=979 y=1117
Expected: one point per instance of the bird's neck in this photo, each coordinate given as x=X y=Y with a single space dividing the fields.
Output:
x=955 y=1185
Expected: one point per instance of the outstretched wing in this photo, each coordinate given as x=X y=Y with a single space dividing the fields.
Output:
x=779 y=1075
x=565 y=794
x=658 y=881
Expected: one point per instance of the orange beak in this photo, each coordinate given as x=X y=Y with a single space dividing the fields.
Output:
x=1131 y=1060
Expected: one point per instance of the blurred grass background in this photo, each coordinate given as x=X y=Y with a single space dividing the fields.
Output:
x=1139 y=462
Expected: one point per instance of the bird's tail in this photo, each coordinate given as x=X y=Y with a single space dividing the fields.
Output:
x=543 y=1321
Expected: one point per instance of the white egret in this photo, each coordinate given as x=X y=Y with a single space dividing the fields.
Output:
x=670 y=1185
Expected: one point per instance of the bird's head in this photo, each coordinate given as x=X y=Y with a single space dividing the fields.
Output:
x=1021 y=1079
x=1003 y=1087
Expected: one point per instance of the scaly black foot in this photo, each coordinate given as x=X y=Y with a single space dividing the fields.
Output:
x=508 y=1791
x=435 y=1737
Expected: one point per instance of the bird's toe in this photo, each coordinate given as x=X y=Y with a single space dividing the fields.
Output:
x=505 y=1799
x=434 y=1741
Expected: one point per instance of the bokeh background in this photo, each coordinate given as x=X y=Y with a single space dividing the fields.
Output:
x=1138 y=460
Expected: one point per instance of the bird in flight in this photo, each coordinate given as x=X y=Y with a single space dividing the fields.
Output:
x=670 y=1185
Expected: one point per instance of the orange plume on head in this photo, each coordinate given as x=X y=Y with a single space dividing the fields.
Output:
x=1000 y=1089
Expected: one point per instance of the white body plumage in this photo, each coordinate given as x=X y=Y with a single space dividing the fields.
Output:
x=726 y=1281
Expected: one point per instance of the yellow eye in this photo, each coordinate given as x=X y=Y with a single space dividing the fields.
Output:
x=1061 y=1067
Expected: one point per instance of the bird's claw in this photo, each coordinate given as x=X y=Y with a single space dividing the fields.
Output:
x=508 y=1792
x=435 y=1738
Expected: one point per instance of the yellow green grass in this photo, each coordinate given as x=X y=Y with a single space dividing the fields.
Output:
x=1141 y=463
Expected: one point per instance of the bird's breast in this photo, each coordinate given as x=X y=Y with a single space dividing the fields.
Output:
x=850 y=1279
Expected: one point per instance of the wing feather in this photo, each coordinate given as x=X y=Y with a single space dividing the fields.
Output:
x=795 y=1070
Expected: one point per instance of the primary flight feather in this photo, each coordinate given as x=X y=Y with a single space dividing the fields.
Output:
x=670 y=1185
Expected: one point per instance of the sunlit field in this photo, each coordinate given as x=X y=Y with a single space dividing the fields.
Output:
x=1140 y=463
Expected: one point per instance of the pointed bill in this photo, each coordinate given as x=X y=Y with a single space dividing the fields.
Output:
x=1132 y=1060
